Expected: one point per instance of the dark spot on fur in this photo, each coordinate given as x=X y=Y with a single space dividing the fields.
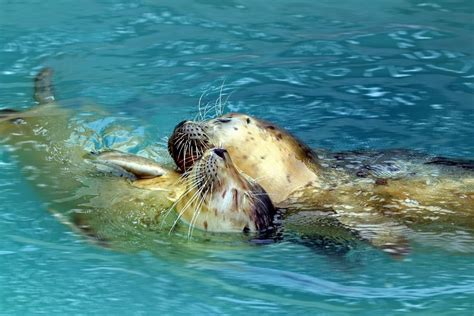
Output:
x=279 y=136
x=262 y=157
x=205 y=225
x=236 y=129
x=248 y=122
x=362 y=173
x=270 y=127
x=244 y=157
x=224 y=193
x=235 y=199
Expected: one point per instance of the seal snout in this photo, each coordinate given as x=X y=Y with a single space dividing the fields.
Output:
x=187 y=144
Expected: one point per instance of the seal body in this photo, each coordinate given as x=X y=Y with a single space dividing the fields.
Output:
x=382 y=196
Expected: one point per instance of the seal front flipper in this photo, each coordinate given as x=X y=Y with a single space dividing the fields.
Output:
x=377 y=230
x=44 y=92
x=126 y=165
x=320 y=231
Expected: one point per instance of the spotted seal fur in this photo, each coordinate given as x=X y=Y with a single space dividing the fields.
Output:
x=380 y=196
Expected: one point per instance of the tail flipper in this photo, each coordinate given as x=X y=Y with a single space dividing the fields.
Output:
x=44 y=92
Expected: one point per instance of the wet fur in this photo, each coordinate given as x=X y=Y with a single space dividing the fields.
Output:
x=394 y=189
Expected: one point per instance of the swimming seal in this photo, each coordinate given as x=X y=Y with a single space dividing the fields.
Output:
x=213 y=196
x=381 y=196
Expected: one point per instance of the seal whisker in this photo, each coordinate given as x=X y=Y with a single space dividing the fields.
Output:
x=225 y=102
x=193 y=184
x=218 y=103
x=191 y=200
x=176 y=202
x=197 y=211
x=200 y=208
x=200 y=110
x=189 y=203
x=184 y=159
x=207 y=109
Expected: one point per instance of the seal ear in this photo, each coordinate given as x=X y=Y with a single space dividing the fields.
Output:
x=125 y=165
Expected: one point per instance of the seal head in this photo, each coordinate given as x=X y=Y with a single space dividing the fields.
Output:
x=219 y=198
x=265 y=152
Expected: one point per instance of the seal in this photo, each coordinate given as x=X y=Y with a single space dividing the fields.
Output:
x=382 y=196
x=212 y=196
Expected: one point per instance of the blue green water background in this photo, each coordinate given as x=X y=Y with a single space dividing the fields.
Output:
x=340 y=75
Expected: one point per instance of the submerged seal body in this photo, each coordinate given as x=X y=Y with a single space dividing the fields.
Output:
x=213 y=196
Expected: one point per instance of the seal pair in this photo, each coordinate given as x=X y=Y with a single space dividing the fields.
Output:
x=383 y=197
x=235 y=169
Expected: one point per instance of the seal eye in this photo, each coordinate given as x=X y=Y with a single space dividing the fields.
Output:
x=223 y=120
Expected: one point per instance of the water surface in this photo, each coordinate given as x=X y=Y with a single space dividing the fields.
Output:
x=339 y=75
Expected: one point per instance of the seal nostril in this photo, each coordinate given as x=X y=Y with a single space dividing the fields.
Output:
x=220 y=152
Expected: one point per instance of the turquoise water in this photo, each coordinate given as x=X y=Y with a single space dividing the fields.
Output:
x=340 y=75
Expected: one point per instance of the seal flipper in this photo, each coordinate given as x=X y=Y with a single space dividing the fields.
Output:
x=388 y=236
x=321 y=232
x=44 y=92
x=126 y=165
x=82 y=223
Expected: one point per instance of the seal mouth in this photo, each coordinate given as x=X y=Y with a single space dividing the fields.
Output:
x=187 y=144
